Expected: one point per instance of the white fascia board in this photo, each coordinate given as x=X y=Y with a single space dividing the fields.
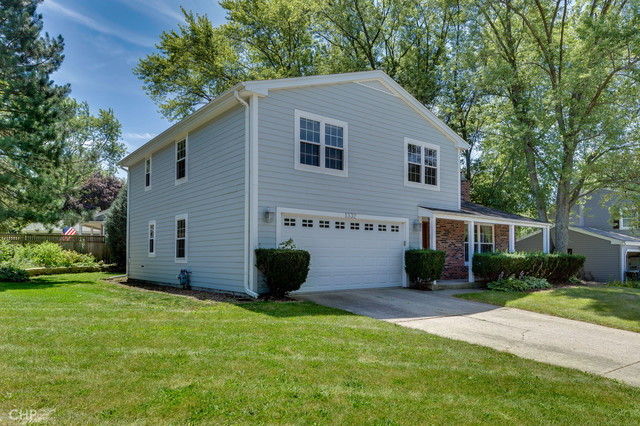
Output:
x=180 y=130
x=423 y=212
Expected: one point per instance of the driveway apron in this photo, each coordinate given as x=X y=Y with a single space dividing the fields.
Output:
x=588 y=347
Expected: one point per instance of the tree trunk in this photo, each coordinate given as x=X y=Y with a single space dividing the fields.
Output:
x=541 y=205
x=563 y=207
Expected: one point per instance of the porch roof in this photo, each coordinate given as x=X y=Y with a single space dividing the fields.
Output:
x=478 y=213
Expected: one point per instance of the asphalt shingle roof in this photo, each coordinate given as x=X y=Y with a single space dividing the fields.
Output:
x=478 y=210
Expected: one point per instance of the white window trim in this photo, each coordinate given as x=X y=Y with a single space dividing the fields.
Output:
x=155 y=238
x=409 y=141
x=477 y=242
x=345 y=144
x=186 y=161
x=150 y=160
x=184 y=216
x=621 y=224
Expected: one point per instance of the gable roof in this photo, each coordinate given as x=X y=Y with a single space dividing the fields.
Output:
x=262 y=88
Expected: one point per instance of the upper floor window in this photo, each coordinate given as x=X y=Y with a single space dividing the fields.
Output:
x=147 y=173
x=152 y=238
x=625 y=223
x=422 y=164
x=320 y=144
x=181 y=238
x=181 y=161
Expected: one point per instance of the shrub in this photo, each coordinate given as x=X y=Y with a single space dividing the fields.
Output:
x=285 y=269
x=513 y=284
x=49 y=255
x=555 y=267
x=627 y=284
x=11 y=274
x=7 y=250
x=423 y=266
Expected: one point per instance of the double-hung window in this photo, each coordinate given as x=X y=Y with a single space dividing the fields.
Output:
x=181 y=238
x=625 y=223
x=483 y=240
x=147 y=174
x=320 y=144
x=152 y=238
x=422 y=164
x=181 y=161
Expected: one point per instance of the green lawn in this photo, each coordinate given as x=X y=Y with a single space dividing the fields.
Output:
x=78 y=350
x=610 y=306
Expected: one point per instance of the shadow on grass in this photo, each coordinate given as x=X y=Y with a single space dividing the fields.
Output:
x=622 y=303
x=39 y=283
x=291 y=308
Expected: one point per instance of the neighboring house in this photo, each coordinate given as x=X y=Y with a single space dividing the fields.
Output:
x=350 y=166
x=611 y=248
x=90 y=227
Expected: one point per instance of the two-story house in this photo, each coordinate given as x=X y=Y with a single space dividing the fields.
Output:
x=611 y=247
x=350 y=166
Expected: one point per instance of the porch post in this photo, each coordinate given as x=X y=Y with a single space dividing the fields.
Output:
x=623 y=263
x=432 y=233
x=545 y=240
x=512 y=238
x=472 y=244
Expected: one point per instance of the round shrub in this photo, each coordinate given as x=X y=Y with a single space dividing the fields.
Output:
x=284 y=269
x=11 y=274
x=423 y=266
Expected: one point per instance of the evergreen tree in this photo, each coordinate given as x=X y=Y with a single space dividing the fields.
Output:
x=32 y=113
x=115 y=228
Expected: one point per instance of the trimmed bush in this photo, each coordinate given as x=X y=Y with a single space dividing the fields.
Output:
x=11 y=274
x=423 y=266
x=513 y=284
x=284 y=269
x=628 y=284
x=554 y=267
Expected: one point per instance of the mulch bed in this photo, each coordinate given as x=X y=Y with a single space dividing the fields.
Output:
x=195 y=294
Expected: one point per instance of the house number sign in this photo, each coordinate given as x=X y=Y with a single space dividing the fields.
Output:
x=350 y=216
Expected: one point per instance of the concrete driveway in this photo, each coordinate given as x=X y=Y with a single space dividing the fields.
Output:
x=588 y=347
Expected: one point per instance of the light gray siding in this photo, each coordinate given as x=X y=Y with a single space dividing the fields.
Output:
x=213 y=198
x=602 y=258
x=377 y=125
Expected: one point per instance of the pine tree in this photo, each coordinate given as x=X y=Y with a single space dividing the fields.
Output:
x=32 y=113
x=115 y=228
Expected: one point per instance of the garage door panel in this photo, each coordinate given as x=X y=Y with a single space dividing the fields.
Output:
x=345 y=258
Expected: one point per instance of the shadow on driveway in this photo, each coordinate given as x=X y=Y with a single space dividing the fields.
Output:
x=398 y=303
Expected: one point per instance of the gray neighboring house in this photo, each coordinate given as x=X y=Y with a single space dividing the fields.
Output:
x=611 y=248
x=350 y=166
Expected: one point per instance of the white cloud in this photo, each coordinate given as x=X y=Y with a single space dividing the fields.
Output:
x=138 y=136
x=155 y=7
x=99 y=26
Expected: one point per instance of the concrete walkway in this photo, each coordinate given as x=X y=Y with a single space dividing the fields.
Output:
x=588 y=347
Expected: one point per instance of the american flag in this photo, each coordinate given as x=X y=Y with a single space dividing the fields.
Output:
x=67 y=233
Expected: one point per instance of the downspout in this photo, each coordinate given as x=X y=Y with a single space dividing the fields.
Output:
x=247 y=237
x=126 y=266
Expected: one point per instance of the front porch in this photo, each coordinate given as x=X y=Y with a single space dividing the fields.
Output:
x=470 y=230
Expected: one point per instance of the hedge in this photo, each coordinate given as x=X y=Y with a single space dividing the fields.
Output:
x=284 y=270
x=423 y=266
x=555 y=267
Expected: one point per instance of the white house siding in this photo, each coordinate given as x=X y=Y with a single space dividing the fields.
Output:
x=377 y=125
x=602 y=258
x=213 y=198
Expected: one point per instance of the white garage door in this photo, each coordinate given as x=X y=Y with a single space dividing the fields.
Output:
x=347 y=253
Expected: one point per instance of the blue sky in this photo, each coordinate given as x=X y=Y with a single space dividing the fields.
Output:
x=104 y=39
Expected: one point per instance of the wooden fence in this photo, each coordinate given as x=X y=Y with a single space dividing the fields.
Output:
x=93 y=244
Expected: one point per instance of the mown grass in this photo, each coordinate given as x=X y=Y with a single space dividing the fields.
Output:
x=616 y=307
x=78 y=350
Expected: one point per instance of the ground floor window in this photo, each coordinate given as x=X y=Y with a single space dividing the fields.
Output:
x=482 y=237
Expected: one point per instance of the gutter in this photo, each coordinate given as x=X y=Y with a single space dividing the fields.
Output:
x=248 y=277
